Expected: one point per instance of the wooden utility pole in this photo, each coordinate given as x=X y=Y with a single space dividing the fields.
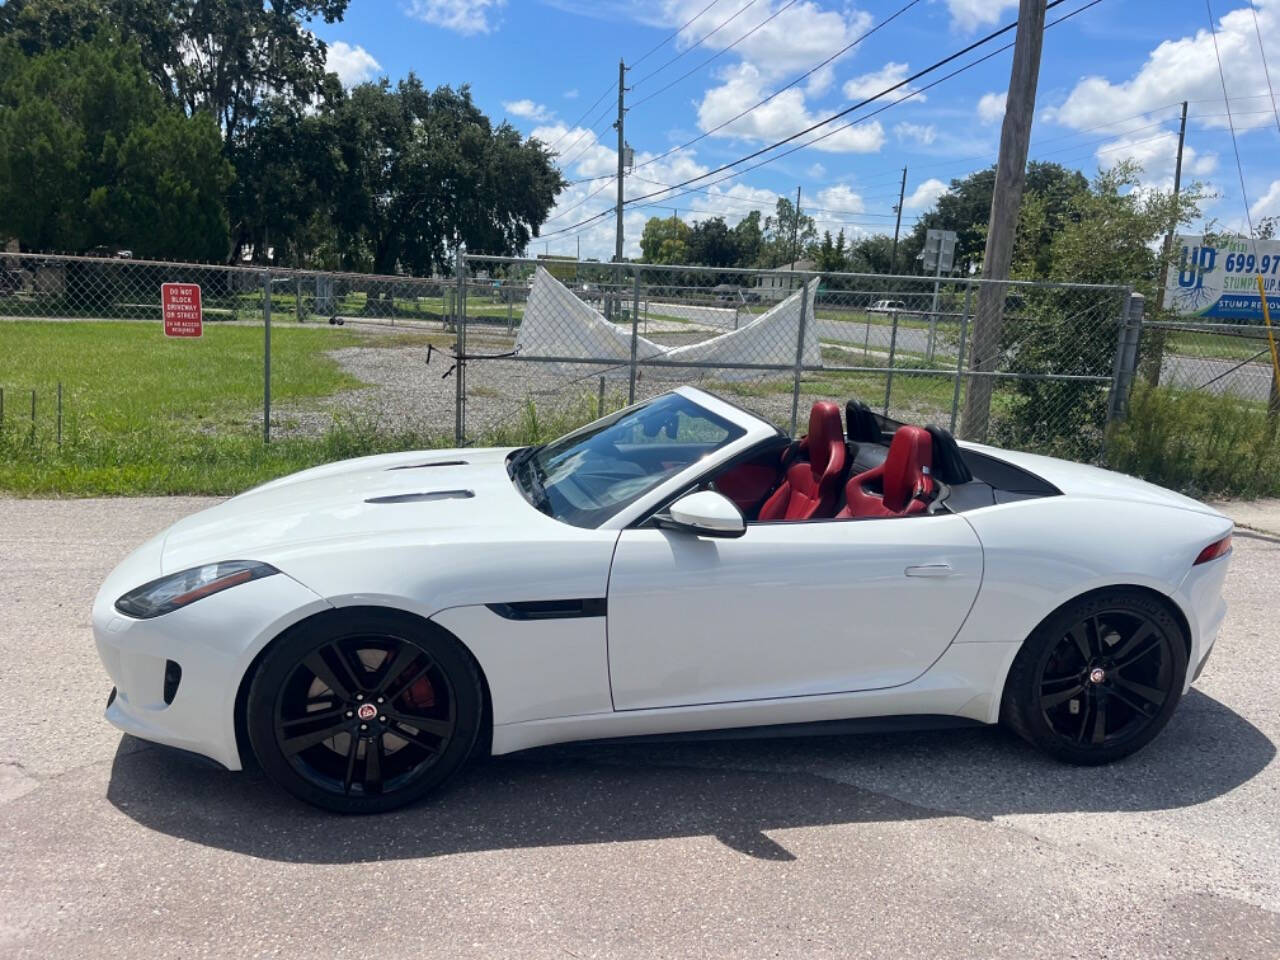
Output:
x=795 y=233
x=1011 y=175
x=622 y=112
x=902 y=193
x=1155 y=342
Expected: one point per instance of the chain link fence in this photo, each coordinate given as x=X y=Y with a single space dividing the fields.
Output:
x=1228 y=360
x=510 y=348
x=776 y=341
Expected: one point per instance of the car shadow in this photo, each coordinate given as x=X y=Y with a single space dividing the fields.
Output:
x=732 y=790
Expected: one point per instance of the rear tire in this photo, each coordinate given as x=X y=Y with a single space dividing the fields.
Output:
x=364 y=712
x=1099 y=679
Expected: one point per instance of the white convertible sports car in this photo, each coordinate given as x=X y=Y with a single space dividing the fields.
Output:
x=678 y=567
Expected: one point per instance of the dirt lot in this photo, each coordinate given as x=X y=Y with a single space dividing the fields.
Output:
x=955 y=844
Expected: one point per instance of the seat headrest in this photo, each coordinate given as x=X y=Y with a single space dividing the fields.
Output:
x=948 y=462
x=908 y=466
x=826 y=432
x=862 y=424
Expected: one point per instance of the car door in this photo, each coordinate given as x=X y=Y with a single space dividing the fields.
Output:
x=786 y=610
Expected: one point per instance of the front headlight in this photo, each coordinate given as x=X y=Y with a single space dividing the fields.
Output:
x=179 y=589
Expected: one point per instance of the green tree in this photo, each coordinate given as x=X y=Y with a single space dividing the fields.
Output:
x=788 y=233
x=832 y=257
x=966 y=209
x=223 y=57
x=287 y=169
x=711 y=243
x=665 y=240
x=1108 y=234
x=421 y=172
x=90 y=154
x=748 y=240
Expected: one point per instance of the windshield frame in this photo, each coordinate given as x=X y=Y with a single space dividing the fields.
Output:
x=752 y=428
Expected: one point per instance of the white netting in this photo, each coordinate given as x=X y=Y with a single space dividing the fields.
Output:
x=557 y=324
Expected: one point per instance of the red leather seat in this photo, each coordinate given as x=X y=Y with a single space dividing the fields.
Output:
x=902 y=479
x=812 y=482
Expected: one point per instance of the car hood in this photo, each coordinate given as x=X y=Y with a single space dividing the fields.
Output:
x=453 y=495
x=1080 y=480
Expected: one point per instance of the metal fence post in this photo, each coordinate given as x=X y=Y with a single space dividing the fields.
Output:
x=1126 y=357
x=459 y=350
x=635 y=335
x=964 y=331
x=893 y=349
x=266 y=357
x=297 y=296
x=799 y=366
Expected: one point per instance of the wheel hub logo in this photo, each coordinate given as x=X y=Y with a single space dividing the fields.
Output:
x=367 y=711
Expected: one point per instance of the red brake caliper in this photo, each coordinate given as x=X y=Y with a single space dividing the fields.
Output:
x=421 y=694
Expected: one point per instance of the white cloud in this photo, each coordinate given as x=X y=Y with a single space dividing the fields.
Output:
x=585 y=200
x=816 y=171
x=798 y=37
x=744 y=85
x=991 y=107
x=971 y=14
x=352 y=64
x=571 y=94
x=1185 y=69
x=840 y=198
x=528 y=109
x=1267 y=205
x=871 y=84
x=466 y=17
x=1157 y=155
x=925 y=195
x=923 y=135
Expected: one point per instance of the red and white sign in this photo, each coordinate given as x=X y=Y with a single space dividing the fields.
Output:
x=180 y=305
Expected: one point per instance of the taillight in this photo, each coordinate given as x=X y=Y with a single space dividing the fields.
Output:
x=1214 y=550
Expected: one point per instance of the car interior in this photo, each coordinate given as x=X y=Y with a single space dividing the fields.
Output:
x=868 y=466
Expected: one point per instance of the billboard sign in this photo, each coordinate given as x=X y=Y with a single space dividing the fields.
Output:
x=180 y=307
x=1216 y=278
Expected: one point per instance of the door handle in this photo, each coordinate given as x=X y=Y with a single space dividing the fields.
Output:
x=930 y=570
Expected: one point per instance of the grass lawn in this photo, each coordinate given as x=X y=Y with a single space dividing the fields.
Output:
x=145 y=414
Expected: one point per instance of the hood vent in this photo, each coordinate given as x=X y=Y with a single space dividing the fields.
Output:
x=423 y=497
x=430 y=463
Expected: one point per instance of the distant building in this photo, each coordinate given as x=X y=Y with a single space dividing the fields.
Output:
x=778 y=284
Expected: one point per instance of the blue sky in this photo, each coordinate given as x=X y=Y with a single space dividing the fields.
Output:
x=1111 y=81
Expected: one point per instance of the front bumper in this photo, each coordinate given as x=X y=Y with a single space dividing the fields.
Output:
x=213 y=640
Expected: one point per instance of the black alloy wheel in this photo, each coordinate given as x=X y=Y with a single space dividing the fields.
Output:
x=363 y=713
x=1099 y=679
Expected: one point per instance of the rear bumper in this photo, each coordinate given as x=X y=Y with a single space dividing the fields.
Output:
x=213 y=641
x=1200 y=595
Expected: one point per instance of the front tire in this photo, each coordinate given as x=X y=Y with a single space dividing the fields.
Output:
x=1099 y=679
x=364 y=712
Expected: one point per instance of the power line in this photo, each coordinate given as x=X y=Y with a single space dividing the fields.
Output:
x=896 y=86
x=585 y=112
x=847 y=110
x=716 y=55
x=589 y=130
x=707 y=36
x=662 y=43
x=808 y=73
x=1265 y=69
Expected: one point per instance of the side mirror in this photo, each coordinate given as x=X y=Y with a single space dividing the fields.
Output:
x=705 y=514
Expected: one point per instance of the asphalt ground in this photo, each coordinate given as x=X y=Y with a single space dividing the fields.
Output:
x=948 y=844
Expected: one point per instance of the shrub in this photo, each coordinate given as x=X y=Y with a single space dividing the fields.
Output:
x=1202 y=444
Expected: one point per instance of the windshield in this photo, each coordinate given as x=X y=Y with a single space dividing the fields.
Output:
x=591 y=474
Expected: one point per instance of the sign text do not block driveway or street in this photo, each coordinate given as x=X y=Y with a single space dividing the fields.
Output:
x=180 y=305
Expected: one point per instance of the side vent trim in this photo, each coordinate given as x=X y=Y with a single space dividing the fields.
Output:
x=551 y=609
